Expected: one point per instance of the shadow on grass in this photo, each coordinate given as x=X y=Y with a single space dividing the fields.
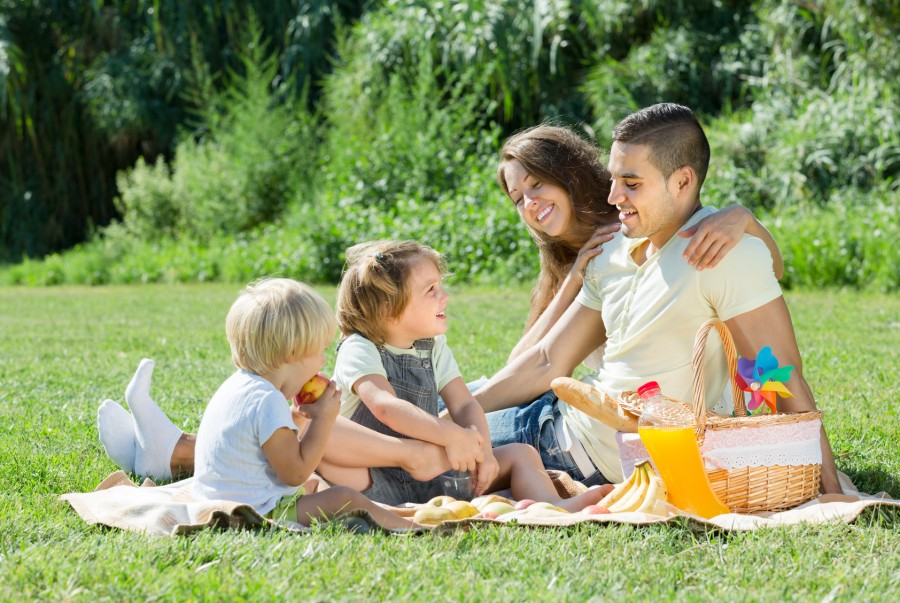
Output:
x=873 y=480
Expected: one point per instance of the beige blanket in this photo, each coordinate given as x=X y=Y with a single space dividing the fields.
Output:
x=169 y=510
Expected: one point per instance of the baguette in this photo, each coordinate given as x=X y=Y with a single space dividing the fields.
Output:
x=594 y=403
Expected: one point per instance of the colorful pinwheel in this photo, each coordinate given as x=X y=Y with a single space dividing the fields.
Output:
x=764 y=379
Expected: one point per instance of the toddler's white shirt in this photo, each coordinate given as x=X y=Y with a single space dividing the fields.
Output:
x=229 y=462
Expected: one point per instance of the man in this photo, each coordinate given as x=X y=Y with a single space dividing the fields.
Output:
x=646 y=303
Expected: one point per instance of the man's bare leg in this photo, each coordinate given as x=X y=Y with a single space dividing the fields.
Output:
x=182 y=462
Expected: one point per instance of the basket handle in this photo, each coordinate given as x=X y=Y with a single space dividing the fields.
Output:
x=740 y=410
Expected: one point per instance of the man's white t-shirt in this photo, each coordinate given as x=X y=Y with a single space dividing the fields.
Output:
x=358 y=357
x=652 y=313
x=229 y=462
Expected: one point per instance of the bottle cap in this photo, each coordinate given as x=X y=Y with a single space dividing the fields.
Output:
x=647 y=387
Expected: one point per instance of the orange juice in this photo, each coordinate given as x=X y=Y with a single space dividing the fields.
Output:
x=675 y=453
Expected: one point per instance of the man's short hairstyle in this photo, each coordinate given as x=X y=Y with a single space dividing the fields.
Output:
x=277 y=319
x=675 y=137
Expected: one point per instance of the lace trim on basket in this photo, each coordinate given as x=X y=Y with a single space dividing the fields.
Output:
x=762 y=436
x=804 y=452
x=791 y=444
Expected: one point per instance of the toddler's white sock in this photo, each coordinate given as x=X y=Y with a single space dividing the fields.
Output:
x=156 y=435
x=117 y=434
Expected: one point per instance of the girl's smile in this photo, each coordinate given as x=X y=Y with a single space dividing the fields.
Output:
x=425 y=313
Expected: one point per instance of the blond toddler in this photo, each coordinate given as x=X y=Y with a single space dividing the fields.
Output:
x=248 y=447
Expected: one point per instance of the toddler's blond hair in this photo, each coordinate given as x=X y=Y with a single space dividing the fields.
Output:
x=375 y=285
x=274 y=320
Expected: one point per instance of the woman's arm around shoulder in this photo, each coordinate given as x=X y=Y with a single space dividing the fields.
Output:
x=714 y=236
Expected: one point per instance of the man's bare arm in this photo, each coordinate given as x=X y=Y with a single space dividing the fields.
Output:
x=578 y=332
x=770 y=325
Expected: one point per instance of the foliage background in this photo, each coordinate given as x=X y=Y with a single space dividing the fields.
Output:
x=156 y=140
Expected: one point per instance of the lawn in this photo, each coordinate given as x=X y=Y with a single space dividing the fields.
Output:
x=66 y=349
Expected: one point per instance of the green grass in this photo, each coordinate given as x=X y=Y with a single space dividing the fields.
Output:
x=66 y=349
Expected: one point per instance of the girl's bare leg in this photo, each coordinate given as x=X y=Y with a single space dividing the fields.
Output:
x=325 y=504
x=522 y=471
x=353 y=446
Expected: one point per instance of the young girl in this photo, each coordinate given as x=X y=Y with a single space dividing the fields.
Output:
x=393 y=363
x=247 y=447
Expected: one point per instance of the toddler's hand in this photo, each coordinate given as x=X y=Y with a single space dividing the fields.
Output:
x=326 y=407
x=465 y=450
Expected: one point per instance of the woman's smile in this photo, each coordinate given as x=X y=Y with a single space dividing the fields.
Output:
x=544 y=213
x=543 y=206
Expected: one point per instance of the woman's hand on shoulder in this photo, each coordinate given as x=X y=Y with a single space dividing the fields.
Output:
x=715 y=235
x=592 y=248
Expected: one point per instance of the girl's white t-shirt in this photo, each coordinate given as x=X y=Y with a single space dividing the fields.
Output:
x=229 y=462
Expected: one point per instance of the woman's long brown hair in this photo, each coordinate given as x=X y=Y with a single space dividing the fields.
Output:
x=559 y=156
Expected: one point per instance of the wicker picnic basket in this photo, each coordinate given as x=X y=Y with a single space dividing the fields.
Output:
x=748 y=489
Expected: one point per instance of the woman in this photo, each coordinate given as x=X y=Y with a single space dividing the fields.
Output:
x=559 y=186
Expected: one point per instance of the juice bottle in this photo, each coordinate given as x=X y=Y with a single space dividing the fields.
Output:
x=672 y=445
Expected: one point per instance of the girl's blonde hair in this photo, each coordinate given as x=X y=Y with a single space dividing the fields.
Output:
x=274 y=320
x=375 y=285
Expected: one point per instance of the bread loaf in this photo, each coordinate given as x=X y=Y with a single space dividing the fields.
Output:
x=594 y=403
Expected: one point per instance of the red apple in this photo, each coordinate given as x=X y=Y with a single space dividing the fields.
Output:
x=312 y=390
x=595 y=510
x=524 y=504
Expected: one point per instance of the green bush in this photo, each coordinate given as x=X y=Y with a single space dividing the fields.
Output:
x=526 y=55
x=147 y=202
x=474 y=226
x=253 y=153
x=88 y=87
x=799 y=100
x=417 y=137
x=846 y=140
x=849 y=243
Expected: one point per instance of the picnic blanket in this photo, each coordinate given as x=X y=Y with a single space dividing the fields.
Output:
x=170 y=510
